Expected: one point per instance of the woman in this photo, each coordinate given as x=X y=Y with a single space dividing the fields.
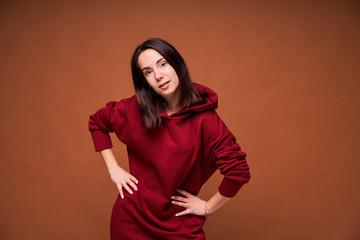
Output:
x=175 y=142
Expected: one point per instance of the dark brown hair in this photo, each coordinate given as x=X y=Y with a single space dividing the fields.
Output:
x=152 y=103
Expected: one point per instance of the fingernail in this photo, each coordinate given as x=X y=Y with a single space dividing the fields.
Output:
x=176 y=215
x=122 y=197
x=172 y=202
x=131 y=192
x=178 y=190
x=172 y=197
x=136 y=189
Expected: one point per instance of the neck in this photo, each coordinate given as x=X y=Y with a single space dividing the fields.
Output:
x=173 y=104
x=172 y=109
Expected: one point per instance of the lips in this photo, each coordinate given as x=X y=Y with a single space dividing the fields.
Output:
x=164 y=84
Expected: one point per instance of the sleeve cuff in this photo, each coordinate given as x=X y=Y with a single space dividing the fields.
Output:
x=229 y=188
x=101 y=140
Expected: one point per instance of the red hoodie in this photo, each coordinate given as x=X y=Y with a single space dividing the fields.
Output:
x=181 y=154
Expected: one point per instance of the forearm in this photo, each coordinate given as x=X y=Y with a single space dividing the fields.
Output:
x=109 y=159
x=215 y=202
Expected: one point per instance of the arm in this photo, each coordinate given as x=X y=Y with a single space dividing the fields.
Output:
x=230 y=160
x=118 y=175
x=216 y=202
x=197 y=206
x=104 y=121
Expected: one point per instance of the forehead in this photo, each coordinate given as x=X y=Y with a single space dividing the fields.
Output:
x=148 y=58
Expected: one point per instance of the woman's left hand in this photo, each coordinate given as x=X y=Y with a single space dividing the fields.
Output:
x=191 y=203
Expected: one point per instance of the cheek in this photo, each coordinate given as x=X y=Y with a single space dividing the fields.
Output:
x=174 y=75
x=149 y=81
x=177 y=78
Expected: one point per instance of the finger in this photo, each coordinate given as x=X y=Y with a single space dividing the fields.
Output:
x=181 y=204
x=121 y=192
x=127 y=188
x=183 y=213
x=134 y=179
x=185 y=193
x=133 y=185
x=178 y=198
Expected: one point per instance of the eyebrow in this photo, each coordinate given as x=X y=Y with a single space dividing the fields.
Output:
x=156 y=63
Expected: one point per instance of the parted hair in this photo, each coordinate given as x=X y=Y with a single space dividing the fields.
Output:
x=152 y=103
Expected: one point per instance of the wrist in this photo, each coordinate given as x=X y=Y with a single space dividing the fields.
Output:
x=113 y=168
x=209 y=208
x=206 y=211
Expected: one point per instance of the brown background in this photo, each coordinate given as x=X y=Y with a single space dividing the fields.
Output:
x=287 y=73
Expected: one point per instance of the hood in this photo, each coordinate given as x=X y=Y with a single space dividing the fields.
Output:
x=210 y=104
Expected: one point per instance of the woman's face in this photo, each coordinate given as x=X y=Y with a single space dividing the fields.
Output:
x=159 y=74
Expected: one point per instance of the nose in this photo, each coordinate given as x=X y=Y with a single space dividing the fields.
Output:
x=158 y=74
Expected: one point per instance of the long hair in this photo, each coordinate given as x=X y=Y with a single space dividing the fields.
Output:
x=152 y=103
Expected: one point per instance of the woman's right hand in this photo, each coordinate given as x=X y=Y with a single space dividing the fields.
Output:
x=119 y=176
x=123 y=179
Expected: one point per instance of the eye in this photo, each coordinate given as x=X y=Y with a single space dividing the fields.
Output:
x=162 y=64
x=147 y=72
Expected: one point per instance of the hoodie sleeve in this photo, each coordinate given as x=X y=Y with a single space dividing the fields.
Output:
x=227 y=155
x=105 y=121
